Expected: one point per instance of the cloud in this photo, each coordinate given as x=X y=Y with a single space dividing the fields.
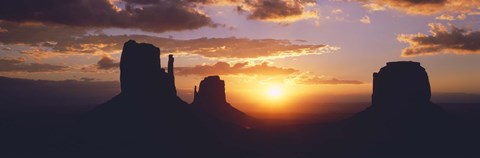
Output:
x=107 y=62
x=147 y=15
x=3 y=30
x=448 y=17
x=320 y=80
x=4 y=48
x=423 y=7
x=365 y=20
x=337 y=11
x=374 y=7
x=289 y=75
x=311 y=79
x=37 y=34
x=19 y=65
x=278 y=10
x=445 y=17
x=88 y=79
x=48 y=41
x=243 y=48
x=223 y=68
x=442 y=40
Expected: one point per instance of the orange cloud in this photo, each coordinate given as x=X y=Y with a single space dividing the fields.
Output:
x=424 y=7
x=223 y=68
x=278 y=10
x=312 y=79
x=277 y=74
x=442 y=40
x=60 y=40
x=20 y=65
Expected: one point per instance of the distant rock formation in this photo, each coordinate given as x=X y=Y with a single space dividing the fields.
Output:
x=211 y=98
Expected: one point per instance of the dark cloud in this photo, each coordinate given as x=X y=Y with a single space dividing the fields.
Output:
x=37 y=34
x=3 y=30
x=88 y=79
x=148 y=15
x=107 y=62
x=442 y=40
x=223 y=68
x=19 y=65
x=277 y=10
x=425 y=7
x=62 y=40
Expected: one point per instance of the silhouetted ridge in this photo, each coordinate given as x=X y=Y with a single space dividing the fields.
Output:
x=211 y=98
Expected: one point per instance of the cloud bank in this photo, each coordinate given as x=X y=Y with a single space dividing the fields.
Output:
x=442 y=40
x=423 y=7
x=223 y=68
x=147 y=15
x=50 y=41
x=19 y=65
x=263 y=69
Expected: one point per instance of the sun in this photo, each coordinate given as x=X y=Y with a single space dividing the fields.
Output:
x=274 y=92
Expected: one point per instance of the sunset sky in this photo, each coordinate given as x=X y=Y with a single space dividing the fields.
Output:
x=269 y=51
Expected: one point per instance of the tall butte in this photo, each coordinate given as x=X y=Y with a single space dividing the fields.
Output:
x=140 y=72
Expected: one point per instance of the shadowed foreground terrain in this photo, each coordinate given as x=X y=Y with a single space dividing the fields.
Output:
x=148 y=119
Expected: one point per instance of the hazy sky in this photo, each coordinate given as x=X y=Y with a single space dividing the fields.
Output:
x=301 y=47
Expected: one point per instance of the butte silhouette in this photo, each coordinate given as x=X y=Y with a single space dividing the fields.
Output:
x=402 y=121
x=148 y=117
x=211 y=99
x=401 y=88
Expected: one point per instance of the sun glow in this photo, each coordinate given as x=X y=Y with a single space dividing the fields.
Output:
x=274 y=92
